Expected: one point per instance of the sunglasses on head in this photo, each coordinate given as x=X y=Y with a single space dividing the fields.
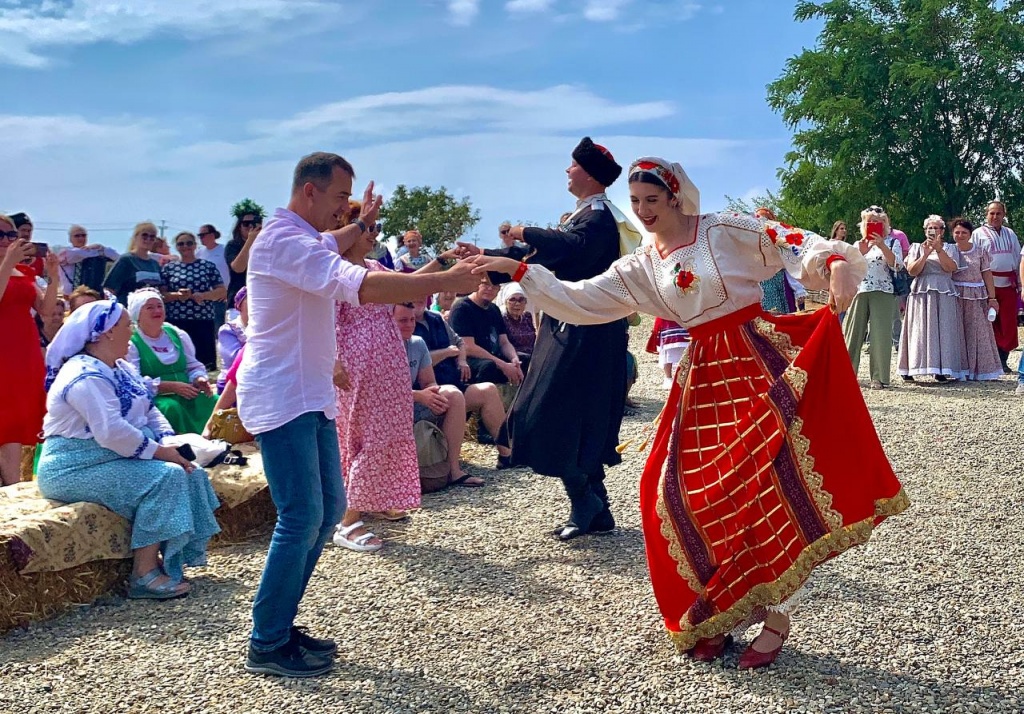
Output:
x=878 y=210
x=9 y=235
x=187 y=244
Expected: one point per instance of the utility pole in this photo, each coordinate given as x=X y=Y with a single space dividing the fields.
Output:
x=163 y=226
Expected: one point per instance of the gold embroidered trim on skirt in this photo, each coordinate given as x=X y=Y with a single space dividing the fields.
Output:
x=813 y=481
x=780 y=340
x=790 y=581
x=668 y=532
x=796 y=378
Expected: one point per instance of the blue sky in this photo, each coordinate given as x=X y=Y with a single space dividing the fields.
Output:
x=117 y=112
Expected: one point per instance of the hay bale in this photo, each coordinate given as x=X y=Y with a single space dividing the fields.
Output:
x=28 y=457
x=253 y=517
x=37 y=596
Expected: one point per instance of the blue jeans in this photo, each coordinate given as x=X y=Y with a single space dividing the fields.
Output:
x=303 y=469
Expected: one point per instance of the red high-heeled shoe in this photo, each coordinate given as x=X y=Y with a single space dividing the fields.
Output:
x=752 y=659
x=708 y=651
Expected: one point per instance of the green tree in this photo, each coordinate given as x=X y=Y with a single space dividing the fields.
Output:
x=435 y=213
x=915 y=105
x=767 y=200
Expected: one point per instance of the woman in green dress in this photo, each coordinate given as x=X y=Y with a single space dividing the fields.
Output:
x=166 y=356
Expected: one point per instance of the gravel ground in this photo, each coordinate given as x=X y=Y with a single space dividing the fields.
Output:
x=472 y=607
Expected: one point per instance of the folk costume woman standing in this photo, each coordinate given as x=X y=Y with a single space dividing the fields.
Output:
x=748 y=488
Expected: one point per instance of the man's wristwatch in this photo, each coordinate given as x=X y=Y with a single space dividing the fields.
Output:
x=445 y=263
x=362 y=225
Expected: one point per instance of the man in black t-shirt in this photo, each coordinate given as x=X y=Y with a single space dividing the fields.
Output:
x=492 y=358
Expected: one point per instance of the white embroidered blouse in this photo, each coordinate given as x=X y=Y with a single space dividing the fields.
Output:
x=90 y=400
x=715 y=275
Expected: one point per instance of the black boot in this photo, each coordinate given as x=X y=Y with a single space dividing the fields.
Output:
x=585 y=505
x=604 y=521
x=1003 y=356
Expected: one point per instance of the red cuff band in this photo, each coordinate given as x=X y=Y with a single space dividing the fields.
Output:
x=832 y=259
x=520 y=273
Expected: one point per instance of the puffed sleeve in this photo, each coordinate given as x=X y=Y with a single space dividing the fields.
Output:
x=96 y=400
x=805 y=254
x=623 y=289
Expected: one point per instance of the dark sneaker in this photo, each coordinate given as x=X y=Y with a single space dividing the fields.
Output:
x=319 y=647
x=288 y=660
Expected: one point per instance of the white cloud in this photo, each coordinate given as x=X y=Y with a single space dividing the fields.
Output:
x=505 y=149
x=604 y=10
x=461 y=108
x=527 y=6
x=28 y=30
x=463 y=12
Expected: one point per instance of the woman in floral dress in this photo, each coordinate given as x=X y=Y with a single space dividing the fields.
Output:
x=378 y=450
x=749 y=486
x=973 y=282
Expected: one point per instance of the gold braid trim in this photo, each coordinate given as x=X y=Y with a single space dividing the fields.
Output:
x=668 y=532
x=796 y=378
x=790 y=581
x=813 y=481
x=780 y=340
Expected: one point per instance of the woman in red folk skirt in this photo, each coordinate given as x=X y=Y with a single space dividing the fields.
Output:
x=747 y=488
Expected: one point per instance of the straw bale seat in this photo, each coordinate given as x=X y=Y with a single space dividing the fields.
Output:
x=55 y=555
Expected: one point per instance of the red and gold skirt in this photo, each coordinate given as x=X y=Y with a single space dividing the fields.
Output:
x=765 y=464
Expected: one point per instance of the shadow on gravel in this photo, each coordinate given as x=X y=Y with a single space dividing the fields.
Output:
x=456 y=572
x=904 y=692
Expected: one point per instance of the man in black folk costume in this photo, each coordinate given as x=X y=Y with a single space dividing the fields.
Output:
x=566 y=417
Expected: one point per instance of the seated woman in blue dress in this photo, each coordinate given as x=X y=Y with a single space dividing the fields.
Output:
x=103 y=446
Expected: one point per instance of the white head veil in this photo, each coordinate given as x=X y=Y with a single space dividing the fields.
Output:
x=674 y=177
x=83 y=326
x=139 y=298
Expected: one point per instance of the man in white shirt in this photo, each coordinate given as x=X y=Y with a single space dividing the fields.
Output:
x=286 y=391
x=1004 y=248
x=72 y=256
x=213 y=251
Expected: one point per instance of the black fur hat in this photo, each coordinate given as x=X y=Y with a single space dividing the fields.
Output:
x=597 y=161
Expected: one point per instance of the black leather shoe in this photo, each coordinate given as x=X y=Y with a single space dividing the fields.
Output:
x=288 y=660
x=315 y=645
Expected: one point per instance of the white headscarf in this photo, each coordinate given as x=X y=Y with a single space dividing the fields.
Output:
x=673 y=176
x=138 y=298
x=507 y=291
x=83 y=326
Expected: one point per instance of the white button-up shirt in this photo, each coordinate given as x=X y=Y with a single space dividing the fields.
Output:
x=294 y=280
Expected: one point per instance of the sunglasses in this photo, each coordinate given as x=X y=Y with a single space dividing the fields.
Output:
x=878 y=210
x=504 y=232
x=9 y=235
x=204 y=233
x=516 y=299
x=187 y=244
x=248 y=223
x=79 y=235
x=147 y=236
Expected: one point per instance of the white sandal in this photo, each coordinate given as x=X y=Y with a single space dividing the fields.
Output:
x=359 y=544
